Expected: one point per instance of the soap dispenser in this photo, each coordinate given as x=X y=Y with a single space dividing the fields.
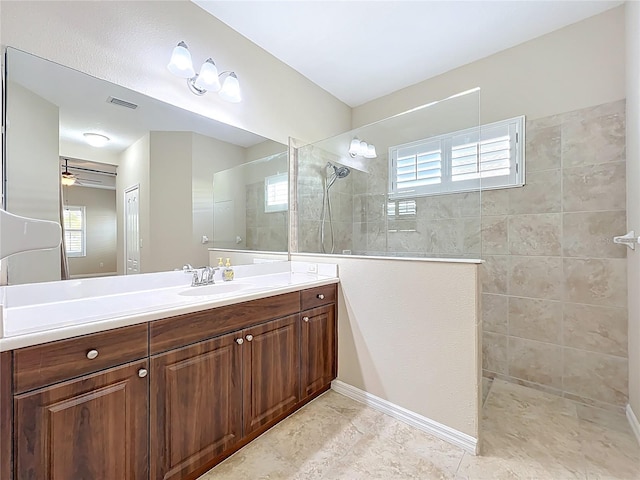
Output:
x=227 y=273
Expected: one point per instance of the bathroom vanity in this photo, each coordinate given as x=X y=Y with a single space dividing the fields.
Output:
x=167 y=398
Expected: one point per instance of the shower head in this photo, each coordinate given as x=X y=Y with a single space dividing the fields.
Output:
x=339 y=172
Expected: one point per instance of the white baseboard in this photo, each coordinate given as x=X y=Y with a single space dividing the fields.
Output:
x=633 y=421
x=448 y=434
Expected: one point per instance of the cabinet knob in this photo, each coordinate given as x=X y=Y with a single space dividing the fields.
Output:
x=305 y=319
x=142 y=372
x=91 y=354
x=249 y=338
x=321 y=296
x=239 y=341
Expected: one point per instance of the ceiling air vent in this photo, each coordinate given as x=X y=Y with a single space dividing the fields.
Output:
x=122 y=103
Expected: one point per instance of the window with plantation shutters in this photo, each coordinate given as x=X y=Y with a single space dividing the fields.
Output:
x=276 y=193
x=74 y=231
x=489 y=156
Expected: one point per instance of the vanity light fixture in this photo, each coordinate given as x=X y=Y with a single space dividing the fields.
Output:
x=68 y=178
x=96 y=139
x=362 y=148
x=225 y=83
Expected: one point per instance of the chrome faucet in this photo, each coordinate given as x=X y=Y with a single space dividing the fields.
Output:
x=201 y=276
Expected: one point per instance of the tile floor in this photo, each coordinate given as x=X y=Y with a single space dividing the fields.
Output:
x=527 y=435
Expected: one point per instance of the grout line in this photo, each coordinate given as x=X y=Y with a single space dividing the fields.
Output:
x=609 y=407
x=557 y=345
x=555 y=301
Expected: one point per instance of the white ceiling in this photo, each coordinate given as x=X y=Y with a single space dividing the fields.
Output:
x=362 y=50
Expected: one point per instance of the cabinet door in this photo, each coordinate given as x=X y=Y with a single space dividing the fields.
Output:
x=196 y=406
x=318 y=349
x=271 y=354
x=92 y=428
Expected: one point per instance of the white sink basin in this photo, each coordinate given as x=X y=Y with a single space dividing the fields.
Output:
x=215 y=289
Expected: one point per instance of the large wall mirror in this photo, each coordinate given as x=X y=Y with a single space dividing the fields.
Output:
x=143 y=200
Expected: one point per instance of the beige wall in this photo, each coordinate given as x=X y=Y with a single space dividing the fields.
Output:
x=575 y=67
x=33 y=174
x=416 y=345
x=129 y=43
x=264 y=149
x=633 y=197
x=170 y=243
x=101 y=248
x=134 y=170
x=175 y=173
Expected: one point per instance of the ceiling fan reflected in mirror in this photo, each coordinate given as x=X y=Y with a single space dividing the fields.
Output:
x=68 y=178
x=85 y=173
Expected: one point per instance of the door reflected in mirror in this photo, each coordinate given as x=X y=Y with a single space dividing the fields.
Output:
x=139 y=174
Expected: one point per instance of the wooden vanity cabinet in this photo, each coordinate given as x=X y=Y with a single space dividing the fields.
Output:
x=271 y=364
x=196 y=406
x=196 y=388
x=94 y=427
x=318 y=349
x=207 y=397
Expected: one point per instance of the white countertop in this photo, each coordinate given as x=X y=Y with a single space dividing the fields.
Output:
x=40 y=313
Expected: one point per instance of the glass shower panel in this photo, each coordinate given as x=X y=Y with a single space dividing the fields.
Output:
x=405 y=201
x=251 y=206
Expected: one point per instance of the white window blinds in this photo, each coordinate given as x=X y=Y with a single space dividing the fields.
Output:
x=74 y=231
x=490 y=156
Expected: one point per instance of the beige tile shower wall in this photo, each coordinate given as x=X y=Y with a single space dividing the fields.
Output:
x=445 y=226
x=554 y=285
x=312 y=165
x=633 y=196
x=266 y=231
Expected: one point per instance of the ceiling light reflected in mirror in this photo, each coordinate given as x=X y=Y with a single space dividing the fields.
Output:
x=96 y=139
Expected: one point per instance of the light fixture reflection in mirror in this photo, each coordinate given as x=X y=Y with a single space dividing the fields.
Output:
x=361 y=148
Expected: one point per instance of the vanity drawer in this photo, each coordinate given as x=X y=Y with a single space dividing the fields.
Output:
x=314 y=297
x=53 y=362
x=175 y=332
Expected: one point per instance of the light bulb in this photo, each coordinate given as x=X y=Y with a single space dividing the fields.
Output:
x=354 y=147
x=371 y=152
x=230 y=90
x=180 y=63
x=95 y=139
x=208 y=77
x=362 y=150
x=68 y=179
